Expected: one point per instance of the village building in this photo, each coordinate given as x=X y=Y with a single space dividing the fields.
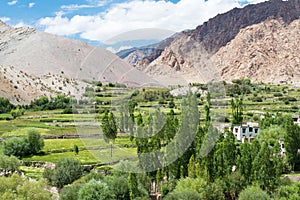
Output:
x=282 y=149
x=246 y=131
x=296 y=120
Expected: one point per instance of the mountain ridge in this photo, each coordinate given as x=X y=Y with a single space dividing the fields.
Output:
x=218 y=33
x=39 y=54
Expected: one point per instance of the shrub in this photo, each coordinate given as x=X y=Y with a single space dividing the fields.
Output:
x=253 y=193
x=35 y=142
x=9 y=163
x=70 y=192
x=67 y=170
x=95 y=190
x=278 y=94
x=257 y=99
x=15 y=147
x=21 y=147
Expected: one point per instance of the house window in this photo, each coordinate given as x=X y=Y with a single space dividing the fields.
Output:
x=243 y=130
x=256 y=130
x=250 y=129
x=282 y=145
x=236 y=130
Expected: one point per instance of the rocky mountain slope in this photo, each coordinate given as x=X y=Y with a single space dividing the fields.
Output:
x=254 y=42
x=267 y=52
x=46 y=57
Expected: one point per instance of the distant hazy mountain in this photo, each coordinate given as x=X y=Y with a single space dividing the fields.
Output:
x=258 y=41
x=31 y=55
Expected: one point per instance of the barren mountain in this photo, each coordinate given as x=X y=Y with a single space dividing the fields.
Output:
x=39 y=54
x=258 y=41
x=267 y=52
x=20 y=87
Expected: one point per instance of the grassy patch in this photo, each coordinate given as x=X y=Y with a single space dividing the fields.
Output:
x=19 y=132
x=89 y=156
x=32 y=172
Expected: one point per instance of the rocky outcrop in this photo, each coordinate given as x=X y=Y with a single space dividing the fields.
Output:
x=267 y=52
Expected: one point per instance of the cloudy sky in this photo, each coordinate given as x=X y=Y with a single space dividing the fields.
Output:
x=98 y=21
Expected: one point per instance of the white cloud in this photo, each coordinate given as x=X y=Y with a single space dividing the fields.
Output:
x=12 y=2
x=75 y=7
x=21 y=24
x=31 y=4
x=138 y=14
x=4 y=19
x=120 y=49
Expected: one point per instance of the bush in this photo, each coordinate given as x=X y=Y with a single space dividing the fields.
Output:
x=171 y=104
x=69 y=110
x=17 y=112
x=21 y=147
x=16 y=147
x=253 y=193
x=278 y=94
x=70 y=192
x=95 y=190
x=35 y=142
x=257 y=99
x=67 y=170
x=9 y=163
x=5 y=105
x=111 y=85
x=185 y=194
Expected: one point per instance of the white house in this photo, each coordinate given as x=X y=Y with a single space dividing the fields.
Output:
x=246 y=131
x=282 y=149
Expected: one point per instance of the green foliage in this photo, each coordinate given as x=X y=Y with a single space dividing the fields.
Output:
x=59 y=102
x=5 y=105
x=189 y=194
x=9 y=163
x=197 y=185
x=35 y=142
x=16 y=187
x=15 y=147
x=66 y=171
x=213 y=191
x=237 y=111
x=265 y=167
x=292 y=144
x=21 y=147
x=109 y=127
x=288 y=192
x=17 y=112
x=132 y=185
x=118 y=186
x=95 y=190
x=274 y=132
x=253 y=193
x=70 y=192
x=76 y=149
x=171 y=104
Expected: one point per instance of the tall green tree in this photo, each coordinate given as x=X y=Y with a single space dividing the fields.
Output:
x=109 y=129
x=133 y=185
x=292 y=143
x=265 y=168
x=237 y=110
x=245 y=160
x=66 y=171
x=35 y=142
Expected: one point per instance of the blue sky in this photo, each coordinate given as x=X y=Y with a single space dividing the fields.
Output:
x=97 y=21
